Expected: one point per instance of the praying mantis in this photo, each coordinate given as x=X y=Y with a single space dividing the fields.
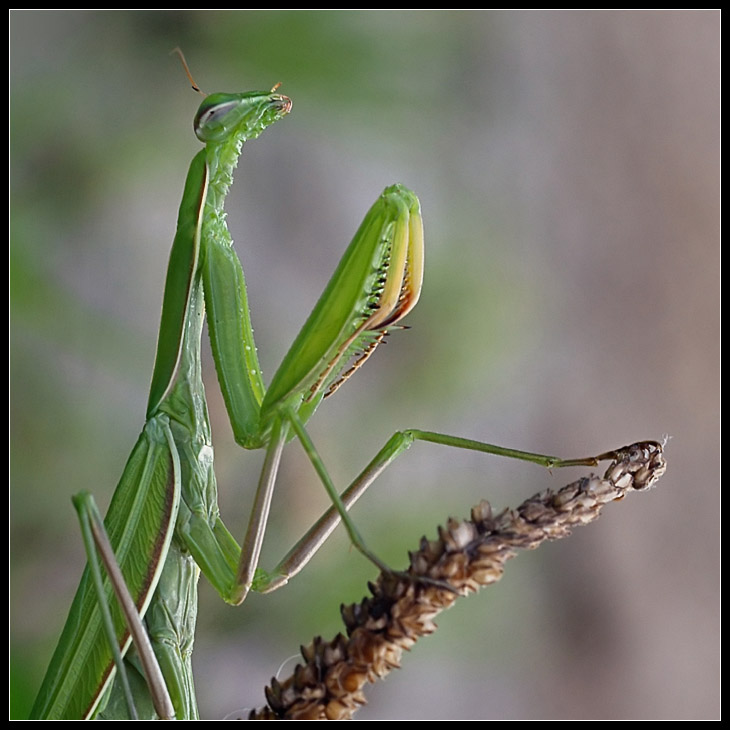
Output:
x=163 y=523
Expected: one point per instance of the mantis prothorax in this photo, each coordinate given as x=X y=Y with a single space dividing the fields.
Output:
x=163 y=522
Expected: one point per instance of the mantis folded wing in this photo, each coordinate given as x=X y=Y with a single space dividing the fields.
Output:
x=163 y=522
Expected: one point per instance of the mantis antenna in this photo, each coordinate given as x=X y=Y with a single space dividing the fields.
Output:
x=176 y=51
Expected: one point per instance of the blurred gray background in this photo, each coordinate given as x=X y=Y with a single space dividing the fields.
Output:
x=568 y=164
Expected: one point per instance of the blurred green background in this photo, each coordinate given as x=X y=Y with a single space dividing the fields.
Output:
x=568 y=164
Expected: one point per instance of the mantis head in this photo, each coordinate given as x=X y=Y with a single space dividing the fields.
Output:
x=222 y=116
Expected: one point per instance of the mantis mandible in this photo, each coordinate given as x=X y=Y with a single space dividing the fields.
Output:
x=163 y=522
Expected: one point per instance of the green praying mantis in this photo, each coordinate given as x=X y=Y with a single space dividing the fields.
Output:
x=163 y=523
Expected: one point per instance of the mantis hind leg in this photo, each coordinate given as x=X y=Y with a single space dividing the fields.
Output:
x=399 y=442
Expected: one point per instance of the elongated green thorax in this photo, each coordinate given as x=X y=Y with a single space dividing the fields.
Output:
x=377 y=282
